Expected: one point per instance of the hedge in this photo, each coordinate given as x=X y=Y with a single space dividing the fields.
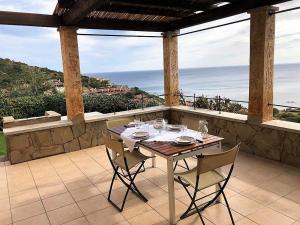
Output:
x=32 y=106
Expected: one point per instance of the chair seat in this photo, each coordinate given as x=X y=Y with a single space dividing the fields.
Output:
x=205 y=180
x=133 y=158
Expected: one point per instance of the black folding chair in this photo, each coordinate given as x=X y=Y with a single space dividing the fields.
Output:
x=123 y=165
x=205 y=175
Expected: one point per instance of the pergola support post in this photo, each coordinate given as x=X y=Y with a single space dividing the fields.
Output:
x=262 y=35
x=171 y=79
x=72 y=77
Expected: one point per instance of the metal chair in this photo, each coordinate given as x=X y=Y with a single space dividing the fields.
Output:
x=205 y=175
x=122 y=165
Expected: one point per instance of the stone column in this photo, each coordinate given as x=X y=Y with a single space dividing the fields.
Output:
x=171 y=80
x=262 y=34
x=72 y=78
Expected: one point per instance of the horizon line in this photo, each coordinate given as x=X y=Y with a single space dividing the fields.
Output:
x=204 y=67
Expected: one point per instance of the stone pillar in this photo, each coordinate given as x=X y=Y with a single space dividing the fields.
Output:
x=72 y=78
x=262 y=34
x=171 y=80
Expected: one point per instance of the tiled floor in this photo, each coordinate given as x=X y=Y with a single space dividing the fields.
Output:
x=72 y=189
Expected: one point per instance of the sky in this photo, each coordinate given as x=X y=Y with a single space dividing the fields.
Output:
x=224 y=46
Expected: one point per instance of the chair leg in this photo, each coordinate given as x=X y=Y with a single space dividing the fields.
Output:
x=111 y=184
x=175 y=166
x=193 y=203
x=186 y=164
x=227 y=205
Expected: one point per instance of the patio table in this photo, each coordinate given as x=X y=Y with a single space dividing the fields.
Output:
x=173 y=153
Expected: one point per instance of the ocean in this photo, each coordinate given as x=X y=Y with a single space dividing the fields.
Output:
x=231 y=82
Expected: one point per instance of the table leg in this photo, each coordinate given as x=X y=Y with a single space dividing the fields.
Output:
x=153 y=160
x=220 y=171
x=171 y=191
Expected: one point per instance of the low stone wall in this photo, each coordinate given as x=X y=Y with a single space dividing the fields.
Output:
x=50 y=116
x=272 y=142
x=30 y=142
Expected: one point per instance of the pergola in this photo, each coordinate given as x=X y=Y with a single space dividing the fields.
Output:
x=168 y=17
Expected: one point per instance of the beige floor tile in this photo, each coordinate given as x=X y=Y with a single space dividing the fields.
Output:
x=294 y=196
x=79 y=221
x=193 y=220
x=78 y=182
x=163 y=209
x=239 y=185
x=47 y=191
x=101 y=178
x=245 y=221
x=57 y=201
x=287 y=207
x=24 y=198
x=104 y=185
x=26 y=211
x=48 y=180
x=117 y=195
x=243 y=205
x=64 y=214
x=218 y=214
x=135 y=207
x=4 y=193
x=106 y=216
x=84 y=193
x=157 y=197
x=267 y=216
x=148 y=218
x=5 y=217
x=36 y=220
x=278 y=187
x=93 y=204
x=4 y=204
x=262 y=196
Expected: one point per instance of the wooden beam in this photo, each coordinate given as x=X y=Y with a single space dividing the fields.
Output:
x=114 y=24
x=171 y=79
x=221 y=12
x=262 y=35
x=29 y=19
x=81 y=9
x=72 y=77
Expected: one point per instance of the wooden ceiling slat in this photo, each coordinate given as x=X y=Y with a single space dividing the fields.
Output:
x=221 y=12
x=125 y=8
x=117 y=24
x=80 y=9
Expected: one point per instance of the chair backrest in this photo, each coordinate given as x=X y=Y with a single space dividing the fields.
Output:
x=114 y=145
x=118 y=122
x=214 y=161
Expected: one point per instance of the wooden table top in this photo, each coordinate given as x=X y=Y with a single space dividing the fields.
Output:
x=169 y=148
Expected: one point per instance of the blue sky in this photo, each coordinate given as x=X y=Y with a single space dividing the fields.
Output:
x=219 y=47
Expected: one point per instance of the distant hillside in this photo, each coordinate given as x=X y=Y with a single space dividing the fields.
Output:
x=19 y=75
x=12 y=72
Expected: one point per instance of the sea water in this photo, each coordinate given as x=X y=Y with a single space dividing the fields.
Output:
x=231 y=82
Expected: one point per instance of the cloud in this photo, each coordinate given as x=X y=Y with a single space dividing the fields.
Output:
x=223 y=46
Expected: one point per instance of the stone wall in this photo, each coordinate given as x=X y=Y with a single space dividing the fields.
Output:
x=276 y=144
x=50 y=116
x=26 y=146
